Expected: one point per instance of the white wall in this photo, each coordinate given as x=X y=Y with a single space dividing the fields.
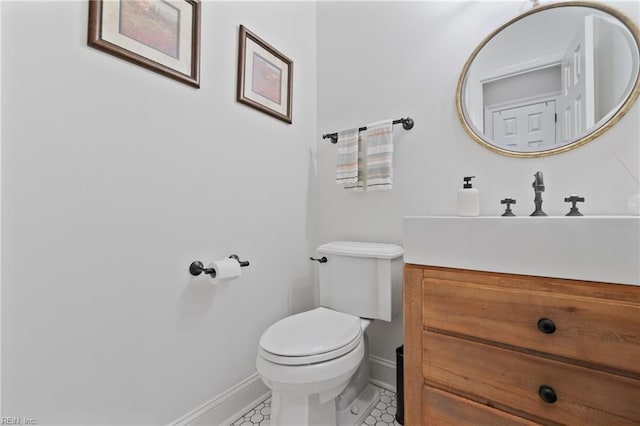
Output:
x=1 y=212
x=613 y=63
x=530 y=84
x=380 y=60
x=114 y=179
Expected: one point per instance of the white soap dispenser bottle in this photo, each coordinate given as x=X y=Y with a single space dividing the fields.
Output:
x=468 y=199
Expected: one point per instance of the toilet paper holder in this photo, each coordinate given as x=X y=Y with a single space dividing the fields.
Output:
x=197 y=267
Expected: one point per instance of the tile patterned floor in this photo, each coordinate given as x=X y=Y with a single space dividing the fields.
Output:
x=383 y=414
x=258 y=416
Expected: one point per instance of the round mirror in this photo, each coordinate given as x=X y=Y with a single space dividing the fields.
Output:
x=550 y=80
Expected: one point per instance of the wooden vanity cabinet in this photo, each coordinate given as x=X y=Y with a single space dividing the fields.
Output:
x=483 y=348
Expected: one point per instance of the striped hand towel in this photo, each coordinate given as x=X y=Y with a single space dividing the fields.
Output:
x=359 y=184
x=379 y=156
x=347 y=157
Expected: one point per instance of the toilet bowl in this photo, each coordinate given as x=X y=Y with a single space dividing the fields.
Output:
x=307 y=360
x=316 y=362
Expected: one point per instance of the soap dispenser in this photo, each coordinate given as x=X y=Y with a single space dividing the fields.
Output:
x=468 y=199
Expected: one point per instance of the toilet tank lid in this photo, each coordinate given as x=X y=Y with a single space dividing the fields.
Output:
x=362 y=249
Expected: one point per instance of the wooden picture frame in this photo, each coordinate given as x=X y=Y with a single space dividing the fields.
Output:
x=160 y=35
x=265 y=77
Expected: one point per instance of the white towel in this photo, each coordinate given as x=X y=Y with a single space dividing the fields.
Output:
x=378 y=167
x=347 y=157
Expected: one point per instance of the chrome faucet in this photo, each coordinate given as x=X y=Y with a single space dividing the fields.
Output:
x=538 y=188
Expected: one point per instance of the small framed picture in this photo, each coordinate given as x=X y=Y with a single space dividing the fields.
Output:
x=265 y=76
x=160 y=35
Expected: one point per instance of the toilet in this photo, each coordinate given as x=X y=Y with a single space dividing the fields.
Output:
x=316 y=363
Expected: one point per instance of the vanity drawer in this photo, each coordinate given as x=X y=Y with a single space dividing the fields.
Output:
x=511 y=380
x=446 y=409
x=594 y=330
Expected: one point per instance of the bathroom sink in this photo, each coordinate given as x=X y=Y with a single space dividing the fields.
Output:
x=591 y=248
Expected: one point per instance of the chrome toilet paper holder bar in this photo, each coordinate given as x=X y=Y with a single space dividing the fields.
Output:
x=197 y=267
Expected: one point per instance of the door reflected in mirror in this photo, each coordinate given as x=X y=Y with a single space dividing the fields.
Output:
x=550 y=80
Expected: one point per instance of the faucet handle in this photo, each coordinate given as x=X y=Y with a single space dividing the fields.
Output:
x=508 y=202
x=574 y=199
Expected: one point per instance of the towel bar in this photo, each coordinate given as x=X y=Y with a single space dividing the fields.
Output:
x=407 y=124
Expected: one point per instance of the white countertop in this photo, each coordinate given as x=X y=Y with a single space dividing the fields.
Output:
x=589 y=248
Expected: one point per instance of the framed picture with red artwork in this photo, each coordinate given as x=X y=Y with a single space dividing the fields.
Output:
x=160 y=35
x=265 y=76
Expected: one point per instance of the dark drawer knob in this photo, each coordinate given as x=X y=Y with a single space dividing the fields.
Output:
x=546 y=325
x=547 y=394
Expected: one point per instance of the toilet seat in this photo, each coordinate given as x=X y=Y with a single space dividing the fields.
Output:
x=311 y=337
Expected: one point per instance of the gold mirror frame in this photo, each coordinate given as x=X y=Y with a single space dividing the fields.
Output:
x=628 y=103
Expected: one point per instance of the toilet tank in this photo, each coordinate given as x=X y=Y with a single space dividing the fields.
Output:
x=362 y=279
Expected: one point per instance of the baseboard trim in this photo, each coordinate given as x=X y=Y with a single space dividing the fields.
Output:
x=383 y=373
x=229 y=405
x=234 y=402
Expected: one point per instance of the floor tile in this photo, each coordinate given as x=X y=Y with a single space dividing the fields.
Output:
x=383 y=414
